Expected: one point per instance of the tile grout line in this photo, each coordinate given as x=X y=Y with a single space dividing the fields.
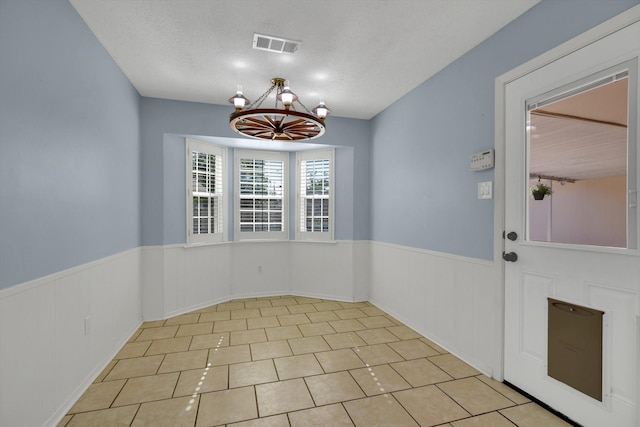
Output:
x=507 y=397
x=197 y=390
x=136 y=414
x=400 y=334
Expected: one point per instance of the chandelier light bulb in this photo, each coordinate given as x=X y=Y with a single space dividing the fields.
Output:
x=287 y=97
x=321 y=110
x=238 y=100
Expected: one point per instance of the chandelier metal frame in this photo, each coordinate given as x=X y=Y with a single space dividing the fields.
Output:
x=281 y=123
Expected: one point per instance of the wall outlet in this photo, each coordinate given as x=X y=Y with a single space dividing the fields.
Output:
x=87 y=325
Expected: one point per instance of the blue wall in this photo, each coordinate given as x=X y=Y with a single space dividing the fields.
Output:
x=69 y=144
x=423 y=194
x=88 y=168
x=164 y=125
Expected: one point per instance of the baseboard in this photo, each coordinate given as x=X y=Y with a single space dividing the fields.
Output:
x=436 y=340
x=254 y=295
x=68 y=403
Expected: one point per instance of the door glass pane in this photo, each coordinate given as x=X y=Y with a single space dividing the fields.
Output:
x=577 y=147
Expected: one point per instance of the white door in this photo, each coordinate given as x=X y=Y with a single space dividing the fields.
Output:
x=596 y=276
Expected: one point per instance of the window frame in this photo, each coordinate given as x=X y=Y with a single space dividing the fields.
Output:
x=282 y=156
x=191 y=146
x=301 y=233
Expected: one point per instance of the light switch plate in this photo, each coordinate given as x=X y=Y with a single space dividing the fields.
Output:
x=485 y=190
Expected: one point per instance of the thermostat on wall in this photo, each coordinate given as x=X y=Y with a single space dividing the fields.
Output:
x=481 y=161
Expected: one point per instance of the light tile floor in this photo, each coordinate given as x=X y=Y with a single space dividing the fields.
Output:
x=292 y=361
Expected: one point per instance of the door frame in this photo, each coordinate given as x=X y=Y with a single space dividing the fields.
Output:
x=608 y=27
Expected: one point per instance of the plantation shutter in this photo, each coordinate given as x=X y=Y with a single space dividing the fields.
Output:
x=315 y=195
x=205 y=193
x=262 y=192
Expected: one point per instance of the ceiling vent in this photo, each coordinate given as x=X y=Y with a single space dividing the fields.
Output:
x=274 y=44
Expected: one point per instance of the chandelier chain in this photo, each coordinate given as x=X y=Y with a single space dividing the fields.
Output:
x=258 y=102
x=303 y=106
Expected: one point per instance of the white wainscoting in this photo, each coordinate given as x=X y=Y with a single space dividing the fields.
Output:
x=452 y=300
x=178 y=279
x=327 y=270
x=47 y=358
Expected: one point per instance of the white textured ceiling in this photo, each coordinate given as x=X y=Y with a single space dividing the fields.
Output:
x=583 y=136
x=358 y=55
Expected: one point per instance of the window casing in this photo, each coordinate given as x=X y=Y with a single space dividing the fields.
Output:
x=261 y=202
x=315 y=189
x=206 y=222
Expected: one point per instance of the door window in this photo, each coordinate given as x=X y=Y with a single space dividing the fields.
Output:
x=578 y=153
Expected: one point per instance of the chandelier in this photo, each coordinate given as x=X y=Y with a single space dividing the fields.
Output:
x=283 y=122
